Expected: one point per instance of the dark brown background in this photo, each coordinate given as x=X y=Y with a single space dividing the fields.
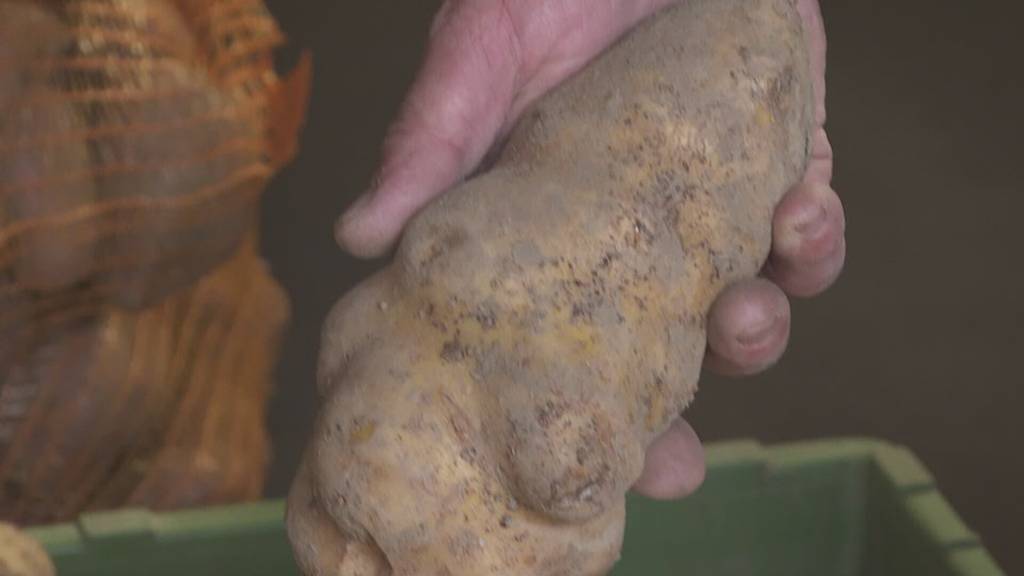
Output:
x=920 y=342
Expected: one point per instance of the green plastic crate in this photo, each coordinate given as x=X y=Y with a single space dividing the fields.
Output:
x=836 y=508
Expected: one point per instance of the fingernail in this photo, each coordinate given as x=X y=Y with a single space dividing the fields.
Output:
x=757 y=334
x=813 y=222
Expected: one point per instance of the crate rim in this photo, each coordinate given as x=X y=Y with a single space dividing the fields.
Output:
x=914 y=484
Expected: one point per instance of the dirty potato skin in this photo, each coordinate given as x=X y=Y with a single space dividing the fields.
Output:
x=488 y=398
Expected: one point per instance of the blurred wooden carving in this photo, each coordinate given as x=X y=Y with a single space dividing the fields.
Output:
x=138 y=325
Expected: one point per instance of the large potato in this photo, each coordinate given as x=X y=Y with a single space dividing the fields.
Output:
x=488 y=398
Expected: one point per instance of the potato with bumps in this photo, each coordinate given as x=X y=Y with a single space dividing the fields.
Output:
x=489 y=397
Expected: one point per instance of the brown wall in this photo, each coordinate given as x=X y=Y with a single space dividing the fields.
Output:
x=921 y=341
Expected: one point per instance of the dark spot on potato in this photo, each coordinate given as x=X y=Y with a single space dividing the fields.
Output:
x=779 y=88
x=454 y=350
x=550 y=412
x=443 y=242
x=486 y=316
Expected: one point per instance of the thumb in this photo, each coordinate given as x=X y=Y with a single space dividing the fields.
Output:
x=447 y=123
x=485 y=63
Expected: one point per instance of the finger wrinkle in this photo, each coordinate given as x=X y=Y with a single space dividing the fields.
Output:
x=487 y=29
x=820 y=165
x=465 y=86
x=515 y=40
x=406 y=143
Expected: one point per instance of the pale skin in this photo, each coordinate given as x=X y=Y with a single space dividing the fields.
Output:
x=486 y=61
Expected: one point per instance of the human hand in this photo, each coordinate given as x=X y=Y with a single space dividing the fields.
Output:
x=486 y=62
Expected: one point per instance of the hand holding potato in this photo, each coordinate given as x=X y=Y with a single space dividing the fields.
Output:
x=488 y=61
x=491 y=395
